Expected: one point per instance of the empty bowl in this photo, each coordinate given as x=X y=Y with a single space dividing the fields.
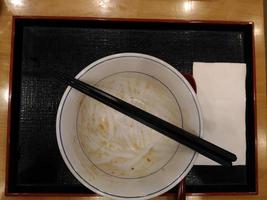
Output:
x=114 y=155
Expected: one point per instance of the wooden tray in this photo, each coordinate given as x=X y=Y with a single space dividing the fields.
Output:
x=34 y=164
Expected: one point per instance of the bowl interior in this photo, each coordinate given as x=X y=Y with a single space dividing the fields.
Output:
x=114 y=155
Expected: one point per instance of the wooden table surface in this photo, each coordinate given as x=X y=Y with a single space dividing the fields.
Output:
x=229 y=10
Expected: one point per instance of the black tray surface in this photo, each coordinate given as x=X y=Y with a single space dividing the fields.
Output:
x=42 y=45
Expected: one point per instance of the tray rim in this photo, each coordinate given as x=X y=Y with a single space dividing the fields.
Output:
x=138 y=20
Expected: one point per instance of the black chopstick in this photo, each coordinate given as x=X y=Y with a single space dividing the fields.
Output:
x=182 y=136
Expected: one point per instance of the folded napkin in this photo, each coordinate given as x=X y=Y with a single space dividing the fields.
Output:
x=221 y=93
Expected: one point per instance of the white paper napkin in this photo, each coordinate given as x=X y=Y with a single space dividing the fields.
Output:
x=221 y=93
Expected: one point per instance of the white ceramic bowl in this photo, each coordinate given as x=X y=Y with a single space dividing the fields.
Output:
x=114 y=155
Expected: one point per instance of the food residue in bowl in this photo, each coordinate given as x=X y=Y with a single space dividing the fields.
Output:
x=119 y=145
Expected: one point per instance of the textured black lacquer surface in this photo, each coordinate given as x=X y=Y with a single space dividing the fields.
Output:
x=35 y=164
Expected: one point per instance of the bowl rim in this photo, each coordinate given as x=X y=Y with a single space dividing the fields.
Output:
x=68 y=162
